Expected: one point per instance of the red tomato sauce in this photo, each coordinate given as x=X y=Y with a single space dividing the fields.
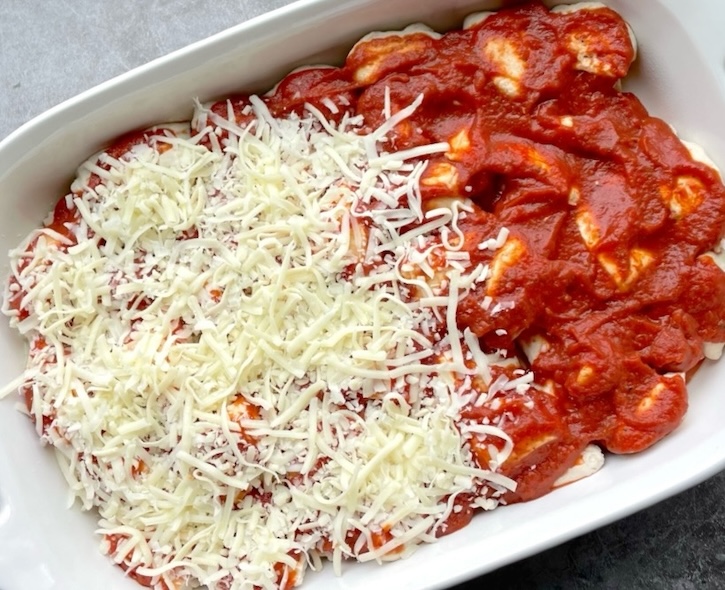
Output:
x=620 y=308
x=619 y=313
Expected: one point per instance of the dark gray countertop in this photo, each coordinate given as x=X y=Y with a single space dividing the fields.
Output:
x=50 y=51
x=677 y=544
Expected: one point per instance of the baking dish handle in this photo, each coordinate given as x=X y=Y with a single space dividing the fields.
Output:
x=18 y=567
x=20 y=538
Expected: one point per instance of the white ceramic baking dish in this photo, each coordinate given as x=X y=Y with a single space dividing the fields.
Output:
x=679 y=76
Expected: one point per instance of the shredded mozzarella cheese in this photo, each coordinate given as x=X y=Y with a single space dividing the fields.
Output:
x=237 y=372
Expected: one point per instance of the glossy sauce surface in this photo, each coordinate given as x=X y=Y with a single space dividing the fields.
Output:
x=609 y=217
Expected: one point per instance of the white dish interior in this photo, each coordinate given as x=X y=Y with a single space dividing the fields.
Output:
x=678 y=76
